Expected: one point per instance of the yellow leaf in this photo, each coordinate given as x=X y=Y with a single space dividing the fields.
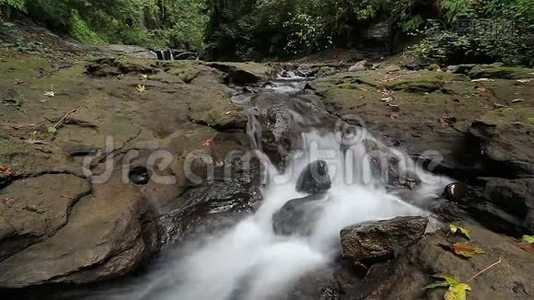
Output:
x=528 y=239
x=457 y=292
x=448 y=278
x=466 y=249
x=140 y=88
x=453 y=228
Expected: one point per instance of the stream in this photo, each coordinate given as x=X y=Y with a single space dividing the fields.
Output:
x=249 y=260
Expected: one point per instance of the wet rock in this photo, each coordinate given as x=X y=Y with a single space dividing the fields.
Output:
x=506 y=147
x=379 y=240
x=494 y=217
x=514 y=196
x=456 y=192
x=362 y=65
x=314 y=178
x=406 y=277
x=206 y=209
x=297 y=216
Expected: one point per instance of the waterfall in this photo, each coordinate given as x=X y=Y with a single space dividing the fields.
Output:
x=251 y=262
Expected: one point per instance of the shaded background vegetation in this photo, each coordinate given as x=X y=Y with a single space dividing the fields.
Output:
x=501 y=30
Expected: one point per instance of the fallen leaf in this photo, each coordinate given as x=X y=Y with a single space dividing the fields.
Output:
x=457 y=292
x=453 y=228
x=528 y=239
x=49 y=93
x=448 y=278
x=524 y=80
x=466 y=250
x=517 y=100
x=140 y=88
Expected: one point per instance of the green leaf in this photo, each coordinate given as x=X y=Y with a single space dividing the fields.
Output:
x=52 y=129
x=436 y=285
x=467 y=250
x=457 y=292
x=449 y=278
x=453 y=228
x=528 y=239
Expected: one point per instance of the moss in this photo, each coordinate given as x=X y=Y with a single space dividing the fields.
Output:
x=22 y=68
x=491 y=71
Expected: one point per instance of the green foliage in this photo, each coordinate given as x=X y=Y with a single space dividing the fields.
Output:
x=502 y=30
x=155 y=23
x=82 y=32
x=15 y=4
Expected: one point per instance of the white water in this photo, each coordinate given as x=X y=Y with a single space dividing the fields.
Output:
x=250 y=262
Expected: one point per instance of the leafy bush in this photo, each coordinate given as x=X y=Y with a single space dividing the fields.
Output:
x=498 y=31
x=82 y=32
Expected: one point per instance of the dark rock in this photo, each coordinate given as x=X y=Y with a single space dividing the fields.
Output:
x=495 y=218
x=314 y=178
x=506 y=148
x=139 y=175
x=379 y=240
x=514 y=196
x=206 y=209
x=298 y=215
x=406 y=277
x=456 y=192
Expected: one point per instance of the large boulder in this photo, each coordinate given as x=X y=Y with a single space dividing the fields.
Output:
x=97 y=238
x=378 y=240
x=298 y=215
x=314 y=178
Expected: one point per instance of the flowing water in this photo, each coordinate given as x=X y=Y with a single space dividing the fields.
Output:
x=249 y=261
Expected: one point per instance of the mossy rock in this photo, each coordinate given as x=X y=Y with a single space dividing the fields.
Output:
x=491 y=71
x=424 y=82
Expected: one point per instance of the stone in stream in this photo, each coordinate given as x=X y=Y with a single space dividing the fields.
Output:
x=456 y=192
x=296 y=217
x=380 y=240
x=139 y=175
x=314 y=178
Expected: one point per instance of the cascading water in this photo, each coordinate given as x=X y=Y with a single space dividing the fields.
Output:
x=249 y=261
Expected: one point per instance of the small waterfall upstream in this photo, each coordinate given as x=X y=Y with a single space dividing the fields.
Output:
x=249 y=261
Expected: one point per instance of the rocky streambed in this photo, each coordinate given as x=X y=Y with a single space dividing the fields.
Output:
x=72 y=212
